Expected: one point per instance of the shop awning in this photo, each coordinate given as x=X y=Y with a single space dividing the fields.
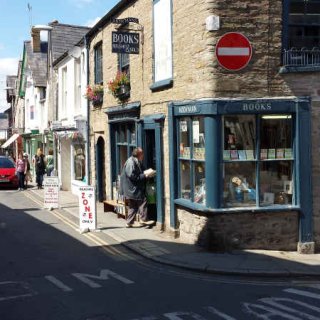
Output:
x=10 y=140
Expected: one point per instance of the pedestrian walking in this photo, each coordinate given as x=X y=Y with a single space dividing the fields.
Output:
x=21 y=169
x=28 y=175
x=40 y=166
x=133 y=187
x=50 y=166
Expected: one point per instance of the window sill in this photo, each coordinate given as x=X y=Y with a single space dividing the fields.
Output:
x=297 y=69
x=203 y=208
x=160 y=85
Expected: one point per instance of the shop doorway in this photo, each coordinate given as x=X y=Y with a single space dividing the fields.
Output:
x=153 y=157
x=150 y=162
x=100 y=169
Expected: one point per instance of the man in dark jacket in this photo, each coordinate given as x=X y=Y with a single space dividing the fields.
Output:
x=133 y=185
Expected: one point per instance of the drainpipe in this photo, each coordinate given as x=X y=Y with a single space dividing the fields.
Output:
x=88 y=117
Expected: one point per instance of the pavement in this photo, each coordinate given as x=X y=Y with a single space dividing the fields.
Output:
x=160 y=247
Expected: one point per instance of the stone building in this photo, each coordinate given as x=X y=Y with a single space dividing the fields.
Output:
x=224 y=100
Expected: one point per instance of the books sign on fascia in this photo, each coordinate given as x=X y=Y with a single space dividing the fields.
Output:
x=250 y=154
x=264 y=154
x=288 y=153
x=271 y=153
x=242 y=154
x=226 y=154
x=280 y=153
x=234 y=154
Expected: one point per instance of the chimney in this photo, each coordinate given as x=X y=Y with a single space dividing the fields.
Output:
x=35 y=34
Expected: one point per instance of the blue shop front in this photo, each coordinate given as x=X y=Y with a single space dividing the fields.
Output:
x=128 y=130
x=240 y=172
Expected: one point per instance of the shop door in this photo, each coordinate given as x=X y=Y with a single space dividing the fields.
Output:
x=152 y=146
x=100 y=171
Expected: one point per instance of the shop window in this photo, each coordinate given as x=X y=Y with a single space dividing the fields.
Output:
x=79 y=162
x=98 y=57
x=192 y=159
x=257 y=160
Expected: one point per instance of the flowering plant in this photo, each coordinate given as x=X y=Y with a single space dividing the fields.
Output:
x=121 y=79
x=94 y=93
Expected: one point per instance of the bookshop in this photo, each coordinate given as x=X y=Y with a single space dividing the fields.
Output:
x=232 y=155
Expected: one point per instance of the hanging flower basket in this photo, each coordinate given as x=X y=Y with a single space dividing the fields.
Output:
x=95 y=94
x=119 y=87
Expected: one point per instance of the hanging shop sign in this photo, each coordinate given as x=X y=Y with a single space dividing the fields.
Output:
x=51 y=192
x=233 y=51
x=87 y=208
x=125 y=20
x=125 y=42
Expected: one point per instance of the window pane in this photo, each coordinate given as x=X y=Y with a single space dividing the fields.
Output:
x=239 y=137
x=79 y=162
x=184 y=133
x=122 y=134
x=304 y=22
x=276 y=185
x=162 y=40
x=198 y=138
x=123 y=155
x=199 y=183
x=185 y=179
x=276 y=137
x=98 y=64
x=132 y=130
x=239 y=184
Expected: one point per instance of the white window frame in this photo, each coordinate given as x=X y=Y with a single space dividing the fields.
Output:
x=77 y=83
x=64 y=91
x=162 y=34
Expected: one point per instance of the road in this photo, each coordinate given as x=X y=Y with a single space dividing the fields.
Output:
x=48 y=270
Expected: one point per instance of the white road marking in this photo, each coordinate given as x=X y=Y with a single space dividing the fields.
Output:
x=177 y=315
x=58 y=283
x=303 y=293
x=24 y=286
x=268 y=315
x=104 y=275
x=219 y=313
x=279 y=303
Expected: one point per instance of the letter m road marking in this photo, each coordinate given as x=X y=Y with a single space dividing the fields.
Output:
x=105 y=274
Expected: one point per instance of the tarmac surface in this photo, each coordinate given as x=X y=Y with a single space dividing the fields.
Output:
x=159 y=247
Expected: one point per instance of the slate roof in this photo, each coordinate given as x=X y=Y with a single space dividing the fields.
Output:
x=11 y=83
x=38 y=64
x=64 y=37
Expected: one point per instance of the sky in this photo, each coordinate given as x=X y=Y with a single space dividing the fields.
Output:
x=16 y=17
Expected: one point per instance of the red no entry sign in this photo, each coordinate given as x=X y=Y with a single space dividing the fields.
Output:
x=233 y=51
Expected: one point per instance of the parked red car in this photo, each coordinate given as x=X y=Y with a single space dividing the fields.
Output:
x=8 y=176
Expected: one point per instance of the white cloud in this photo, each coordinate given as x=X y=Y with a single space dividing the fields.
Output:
x=92 y=22
x=9 y=66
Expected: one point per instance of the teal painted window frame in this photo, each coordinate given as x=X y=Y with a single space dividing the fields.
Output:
x=213 y=111
x=116 y=144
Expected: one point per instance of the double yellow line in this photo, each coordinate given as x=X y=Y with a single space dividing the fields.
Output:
x=106 y=247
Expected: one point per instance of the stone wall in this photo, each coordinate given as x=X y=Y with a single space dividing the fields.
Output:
x=197 y=75
x=227 y=231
